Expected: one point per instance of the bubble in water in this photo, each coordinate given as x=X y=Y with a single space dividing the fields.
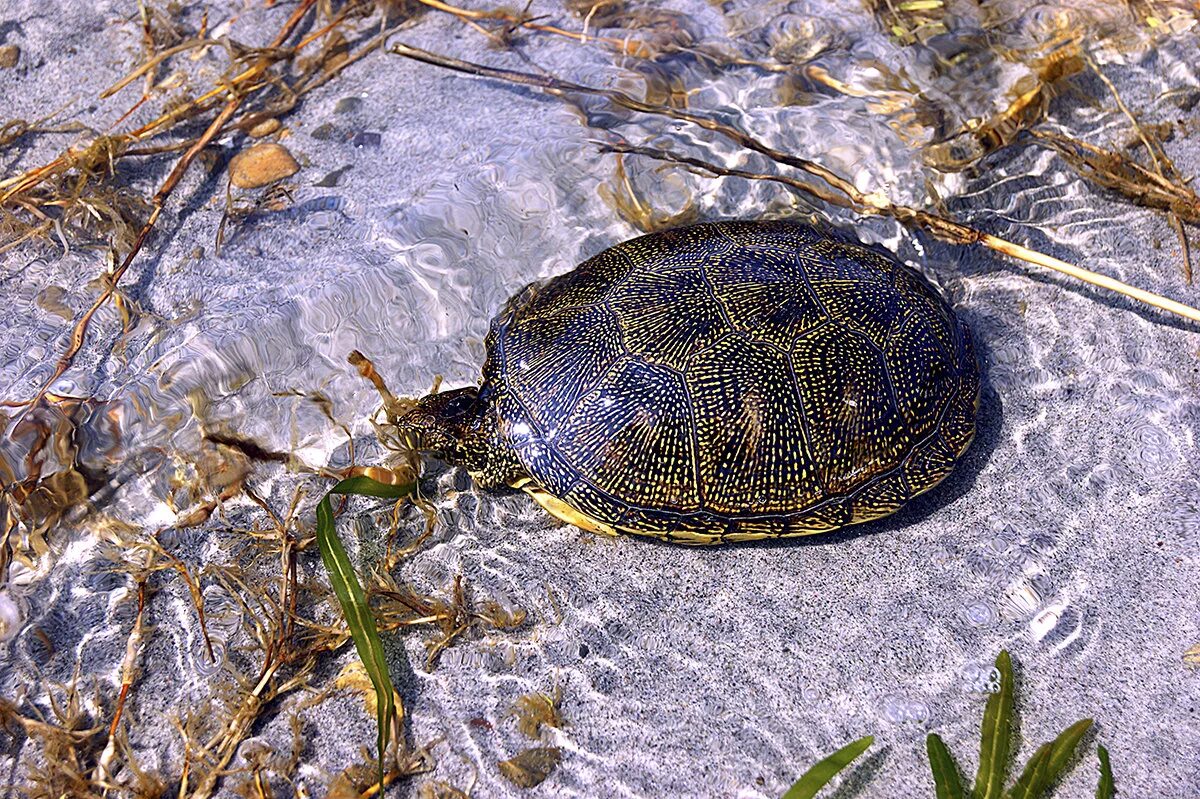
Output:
x=1153 y=450
x=980 y=679
x=811 y=693
x=900 y=710
x=204 y=665
x=980 y=613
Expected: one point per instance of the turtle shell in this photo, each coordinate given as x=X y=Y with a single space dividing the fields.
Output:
x=733 y=380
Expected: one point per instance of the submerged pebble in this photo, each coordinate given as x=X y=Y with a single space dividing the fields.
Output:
x=325 y=132
x=367 y=139
x=10 y=54
x=265 y=128
x=262 y=165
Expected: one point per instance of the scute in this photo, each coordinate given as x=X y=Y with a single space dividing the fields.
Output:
x=856 y=430
x=767 y=297
x=634 y=433
x=928 y=465
x=753 y=452
x=662 y=332
x=730 y=381
x=557 y=358
x=921 y=371
x=883 y=496
x=854 y=285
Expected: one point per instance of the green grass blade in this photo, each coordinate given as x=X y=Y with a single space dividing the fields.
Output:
x=1049 y=762
x=353 y=599
x=995 y=735
x=1063 y=748
x=1106 y=789
x=945 y=772
x=1032 y=782
x=821 y=773
x=366 y=487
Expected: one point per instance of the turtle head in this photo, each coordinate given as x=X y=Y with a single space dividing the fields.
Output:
x=441 y=424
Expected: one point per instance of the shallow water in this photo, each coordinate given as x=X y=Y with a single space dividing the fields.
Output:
x=1069 y=535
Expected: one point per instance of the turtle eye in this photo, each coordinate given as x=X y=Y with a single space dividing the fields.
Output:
x=460 y=404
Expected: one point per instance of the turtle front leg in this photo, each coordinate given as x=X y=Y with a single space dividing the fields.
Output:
x=492 y=465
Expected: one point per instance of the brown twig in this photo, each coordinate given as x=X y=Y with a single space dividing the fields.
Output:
x=133 y=648
x=1184 y=246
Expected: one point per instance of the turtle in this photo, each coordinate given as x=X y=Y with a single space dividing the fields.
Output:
x=720 y=382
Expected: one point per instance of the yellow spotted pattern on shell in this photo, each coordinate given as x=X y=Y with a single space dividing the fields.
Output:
x=732 y=381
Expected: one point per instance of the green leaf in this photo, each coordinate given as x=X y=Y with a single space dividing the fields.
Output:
x=1063 y=748
x=820 y=774
x=1032 y=782
x=995 y=735
x=945 y=773
x=364 y=486
x=353 y=600
x=1106 y=789
x=1049 y=762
